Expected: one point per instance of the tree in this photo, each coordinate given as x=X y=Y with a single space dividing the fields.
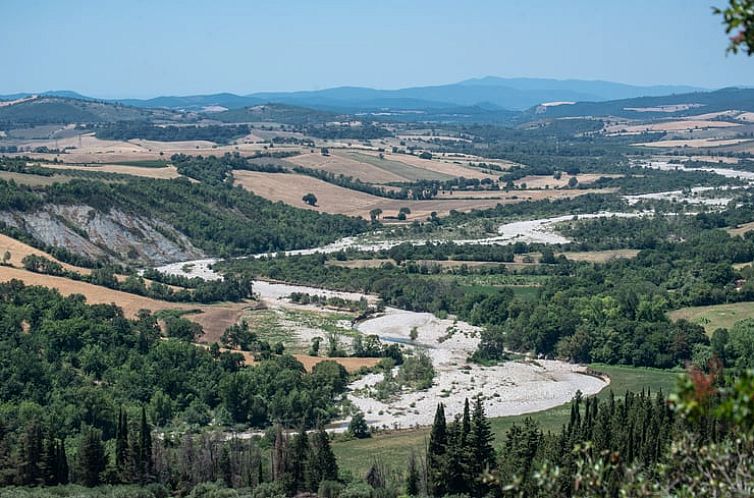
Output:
x=437 y=454
x=738 y=19
x=358 y=427
x=298 y=459
x=122 y=464
x=145 y=447
x=374 y=214
x=31 y=444
x=91 y=458
x=322 y=463
x=6 y=258
x=412 y=479
x=573 y=181
x=310 y=199
x=480 y=445
x=425 y=155
x=403 y=212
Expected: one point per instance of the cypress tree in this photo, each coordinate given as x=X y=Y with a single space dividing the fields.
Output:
x=412 y=479
x=436 y=454
x=61 y=464
x=480 y=441
x=298 y=459
x=91 y=458
x=47 y=467
x=145 y=448
x=465 y=424
x=30 y=451
x=322 y=463
x=121 y=447
x=225 y=467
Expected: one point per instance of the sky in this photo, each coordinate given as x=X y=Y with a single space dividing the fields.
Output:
x=141 y=48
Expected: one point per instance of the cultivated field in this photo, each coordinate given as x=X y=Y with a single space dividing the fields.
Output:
x=18 y=251
x=439 y=165
x=331 y=198
x=214 y=318
x=540 y=182
x=600 y=256
x=31 y=179
x=166 y=173
x=131 y=303
x=87 y=148
x=697 y=143
x=340 y=163
x=669 y=126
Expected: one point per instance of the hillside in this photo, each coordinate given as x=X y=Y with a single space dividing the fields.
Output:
x=667 y=106
x=60 y=110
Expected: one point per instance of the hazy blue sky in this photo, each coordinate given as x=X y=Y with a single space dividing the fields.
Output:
x=141 y=48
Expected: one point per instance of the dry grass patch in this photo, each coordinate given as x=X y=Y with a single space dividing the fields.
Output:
x=537 y=182
x=18 y=251
x=31 y=179
x=740 y=230
x=669 y=126
x=698 y=143
x=350 y=364
x=130 y=303
x=601 y=256
x=715 y=316
x=514 y=196
x=166 y=173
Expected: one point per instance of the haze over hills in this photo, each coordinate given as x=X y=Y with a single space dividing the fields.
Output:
x=488 y=92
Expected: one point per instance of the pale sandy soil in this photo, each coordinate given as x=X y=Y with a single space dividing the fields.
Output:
x=665 y=108
x=692 y=197
x=508 y=389
x=512 y=388
x=667 y=166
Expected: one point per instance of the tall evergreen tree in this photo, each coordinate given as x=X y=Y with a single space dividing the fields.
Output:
x=91 y=458
x=482 y=453
x=226 y=469
x=322 y=463
x=145 y=448
x=122 y=464
x=299 y=454
x=413 y=479
x=30 y=454
x=437 y=460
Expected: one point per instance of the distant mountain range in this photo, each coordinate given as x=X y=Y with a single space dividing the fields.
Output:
x=490 y=93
